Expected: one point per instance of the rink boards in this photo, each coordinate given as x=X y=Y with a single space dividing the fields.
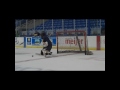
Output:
x=94 y=42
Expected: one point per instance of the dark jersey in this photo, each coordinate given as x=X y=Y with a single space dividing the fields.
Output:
x=46 y=39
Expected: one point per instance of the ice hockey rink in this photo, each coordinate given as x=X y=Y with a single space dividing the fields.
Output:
x=58 y=62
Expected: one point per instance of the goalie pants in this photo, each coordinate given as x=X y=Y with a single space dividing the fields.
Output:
x=49 y=47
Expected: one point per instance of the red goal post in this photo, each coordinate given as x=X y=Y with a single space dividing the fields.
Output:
x=72 y=42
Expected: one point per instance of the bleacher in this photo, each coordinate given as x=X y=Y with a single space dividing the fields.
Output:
x=57 y=24
x=69 y=24
x=19 y=22
x=65 y=24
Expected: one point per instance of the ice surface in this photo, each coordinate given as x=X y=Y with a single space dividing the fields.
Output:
x=76 y=62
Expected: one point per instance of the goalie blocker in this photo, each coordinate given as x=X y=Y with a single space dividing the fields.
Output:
x=47 y=44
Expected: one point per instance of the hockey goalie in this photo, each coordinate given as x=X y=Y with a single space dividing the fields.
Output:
x=47 y=44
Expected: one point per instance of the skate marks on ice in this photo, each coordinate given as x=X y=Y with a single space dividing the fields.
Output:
x=21 y=53
x=43 y=57
x=93 y=58
x=20 y=68
x=56 y=55
x=24 y=68
x=98 y=56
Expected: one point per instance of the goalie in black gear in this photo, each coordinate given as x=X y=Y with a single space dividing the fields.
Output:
x=47 y=44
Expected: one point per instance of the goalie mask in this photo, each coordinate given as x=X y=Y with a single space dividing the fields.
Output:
x=43 y=34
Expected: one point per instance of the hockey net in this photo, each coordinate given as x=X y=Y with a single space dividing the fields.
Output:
x=72 y=42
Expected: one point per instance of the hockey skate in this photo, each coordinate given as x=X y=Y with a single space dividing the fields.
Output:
x=47 y=53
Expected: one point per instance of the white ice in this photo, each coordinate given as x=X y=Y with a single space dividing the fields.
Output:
x=76 y=62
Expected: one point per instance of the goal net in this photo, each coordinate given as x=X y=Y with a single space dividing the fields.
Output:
x=72 y=42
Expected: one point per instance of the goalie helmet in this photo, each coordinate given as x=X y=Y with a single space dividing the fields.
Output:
x=43 y=34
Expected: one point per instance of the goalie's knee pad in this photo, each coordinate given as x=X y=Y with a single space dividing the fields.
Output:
x=50 y=53
x=46 y=44
x=44 y=47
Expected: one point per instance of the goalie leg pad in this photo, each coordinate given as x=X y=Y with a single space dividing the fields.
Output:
x=45 y=44
x=48 y=48
x=47 y=53
x=43 y=50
